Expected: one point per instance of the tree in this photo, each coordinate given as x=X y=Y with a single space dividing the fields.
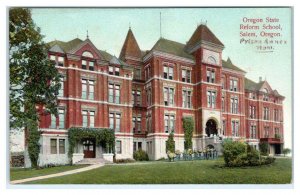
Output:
x=188 y=126
x=286 y=151
x=264 y=148
x=34 y=80
x=170 y=144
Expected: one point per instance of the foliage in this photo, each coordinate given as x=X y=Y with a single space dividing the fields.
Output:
x=188 y=126
x=286 y=151
x=171 y=155
x=104 y=137
x=140 y=155
x=30 y=75
x=170 y=143
x=233 y=152
x=264 y=148
x=277 y=136
x=124 y=160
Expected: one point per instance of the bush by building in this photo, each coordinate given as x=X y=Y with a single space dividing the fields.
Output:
x=140 y=155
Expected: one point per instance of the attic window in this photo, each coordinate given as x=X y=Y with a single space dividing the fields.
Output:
x=211 y=60
x=87 y=54
x=60 y=61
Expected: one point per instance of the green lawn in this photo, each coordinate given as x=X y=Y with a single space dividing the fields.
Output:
x=21 y=173
x=192 y=172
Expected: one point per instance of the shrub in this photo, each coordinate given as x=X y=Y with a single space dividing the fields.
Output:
x=124 y=160
x=170 y=143
x=140 y=155
x=264 y=148
x=188 y=126
x=286 y=151
x=233 y=152
x=268 y=160
x=252 y=156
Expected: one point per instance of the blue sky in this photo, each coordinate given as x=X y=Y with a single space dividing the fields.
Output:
x=108 y=28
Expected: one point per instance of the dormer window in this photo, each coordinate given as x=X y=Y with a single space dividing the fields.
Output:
x=60 y=61
x=83 y=64
x=53 y=58
x=114 y=70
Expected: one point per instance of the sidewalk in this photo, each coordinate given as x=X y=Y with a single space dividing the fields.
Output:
x=57 y=174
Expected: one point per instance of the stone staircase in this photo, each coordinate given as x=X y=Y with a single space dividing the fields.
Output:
x=91 y=161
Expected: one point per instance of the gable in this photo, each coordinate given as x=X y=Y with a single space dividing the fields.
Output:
x=56 y=48
x=265 y=86
x=86 y=47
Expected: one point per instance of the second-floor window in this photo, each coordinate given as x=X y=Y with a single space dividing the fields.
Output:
x=168 y=72
x=149 y=123
x=88 y=118
x=136 y=97
x=267 y=132
x=211 y=99
x=252 y=110
x=276 y=118
x=186 y=76
x=114 y=93
x=253 y=132
x=136 y=124
x=186 y=99
x=61 y=89
x=233 y=85
x=149 y=96
x=169 y=123
x=113 y=70
x=87 y=89
x=210 y=76
x=234 y=102
x=61 y=118
x=266 y=113
x=168 y=96
x=115 y=121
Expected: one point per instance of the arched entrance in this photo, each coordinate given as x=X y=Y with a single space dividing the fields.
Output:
x=211 y=128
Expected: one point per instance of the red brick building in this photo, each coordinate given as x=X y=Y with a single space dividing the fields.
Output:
x=144 y=95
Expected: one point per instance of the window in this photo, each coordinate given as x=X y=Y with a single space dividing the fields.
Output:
x=168 y=96
x=252 y=110
x=87 y=89
x=137 y=73
x=115 y=121
x=61 y=117
x=169 y=123
x=147 y=72
x=137 y=146
x=149 y=96
x=149 y=123
x=136 y=121
x=253 y=132
x=235 y=128
x=223 y=104
x=53 y=58
x=233 y=85
x=136 y=97
x=62 y=146
x=267 y=131
x=211 y=99
x=88 y=118
x=277 y=133
x=113 y=70
x=60 y=61
x=234 y=102
x=53 y=121
x=168 y=72
x=223 y=83
x=91 y=66
x=149 y=147
x=53 y=146
x=83 y=64
x=92 y=118
x=210 y=76
x=224 y=127
x=114 y=93
x=266 y=113
x=186 y=99
x=186 y=76
x=61 y=89
x=265 y=95
x=276 y=118
x=118 y=147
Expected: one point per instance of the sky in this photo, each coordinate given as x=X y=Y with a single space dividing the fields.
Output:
x=107 y=29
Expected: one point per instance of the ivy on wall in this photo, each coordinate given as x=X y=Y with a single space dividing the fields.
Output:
x=103 y=137
x=170 y=143
x=188 y=127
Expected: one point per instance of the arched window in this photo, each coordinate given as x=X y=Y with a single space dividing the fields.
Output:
x=87 y=54
x=211 y=60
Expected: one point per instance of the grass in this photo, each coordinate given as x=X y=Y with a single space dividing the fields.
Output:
x=22 y=173
x=190 y=172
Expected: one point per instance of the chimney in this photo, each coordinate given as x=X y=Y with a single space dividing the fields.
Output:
x=260 y=79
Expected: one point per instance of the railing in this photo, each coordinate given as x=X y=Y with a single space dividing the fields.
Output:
x=208 y=155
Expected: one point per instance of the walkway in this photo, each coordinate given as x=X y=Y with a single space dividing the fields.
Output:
x=57 y=174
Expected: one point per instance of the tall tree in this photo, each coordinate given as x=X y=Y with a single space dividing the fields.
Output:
x=34 y=80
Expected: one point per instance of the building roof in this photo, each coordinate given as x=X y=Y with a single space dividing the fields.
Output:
x=130 y=47
x=228 y=64
x=171 y=47
x=203 y=33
